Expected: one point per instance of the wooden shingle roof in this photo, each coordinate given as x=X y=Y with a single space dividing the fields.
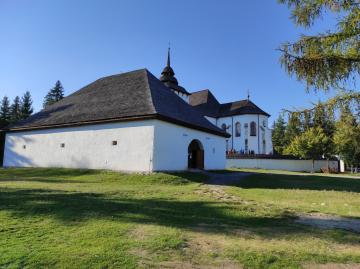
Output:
x=205 y=102
x=135 y=95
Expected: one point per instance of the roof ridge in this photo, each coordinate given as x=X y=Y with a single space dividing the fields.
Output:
x=147 y=73
x=237 y=101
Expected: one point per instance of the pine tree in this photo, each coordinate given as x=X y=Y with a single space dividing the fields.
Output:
x=54 y=95
x=58 y=91
x=15 y=110
x=278 y=135
x=26 y=106
x=307 y=121
x=5 y=111
x=293 y=128
x=324 y=118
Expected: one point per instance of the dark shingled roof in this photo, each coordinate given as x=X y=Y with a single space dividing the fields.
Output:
x=205 y=102
x=128 y=96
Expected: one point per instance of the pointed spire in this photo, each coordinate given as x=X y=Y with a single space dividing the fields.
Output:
x=248 y=95
x=168 y=77
x=168 y=58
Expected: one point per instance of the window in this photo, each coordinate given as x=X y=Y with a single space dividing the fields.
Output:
x=253 y=128
x=24 y=146
x=246 y=145
x=114 y=143
x=237 y=129
x=62 y=145
x=223 y=126
x=264 y=123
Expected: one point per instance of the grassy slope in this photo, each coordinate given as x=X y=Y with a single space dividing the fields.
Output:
x=80 y=219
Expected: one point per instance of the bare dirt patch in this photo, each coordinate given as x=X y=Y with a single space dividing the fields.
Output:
x=217 y=192
x=332 y=266
x=330 y=222
x=188 y=265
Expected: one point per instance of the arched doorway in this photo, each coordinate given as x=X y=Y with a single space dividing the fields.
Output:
x=196 y=155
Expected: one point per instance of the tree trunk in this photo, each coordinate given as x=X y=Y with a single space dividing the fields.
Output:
x=313 y=166
x=328 y=166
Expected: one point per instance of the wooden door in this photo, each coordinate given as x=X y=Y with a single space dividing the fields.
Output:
x=200 y=159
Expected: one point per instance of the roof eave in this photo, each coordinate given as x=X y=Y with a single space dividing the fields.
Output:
x=113 y=120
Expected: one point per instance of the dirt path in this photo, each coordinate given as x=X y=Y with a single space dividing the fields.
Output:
x=324 y=221
x=215 y=186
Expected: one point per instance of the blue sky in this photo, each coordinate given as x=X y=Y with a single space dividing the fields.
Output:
x=227 y=46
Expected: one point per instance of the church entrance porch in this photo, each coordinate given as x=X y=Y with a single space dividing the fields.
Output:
x=196 y=155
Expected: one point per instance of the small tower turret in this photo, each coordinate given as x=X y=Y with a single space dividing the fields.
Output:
x=169 y=79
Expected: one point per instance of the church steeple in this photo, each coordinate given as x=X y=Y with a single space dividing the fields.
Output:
x=168 y=59
x=168 y=74
x=169 y=79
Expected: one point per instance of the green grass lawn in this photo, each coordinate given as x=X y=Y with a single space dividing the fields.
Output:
x=64 y=218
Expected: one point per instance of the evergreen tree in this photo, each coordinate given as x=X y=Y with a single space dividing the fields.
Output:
x=26 y=106
x=278 y=135
x=5 y=111
x=309 y=145
x=15 y=110
x=319 y=119
x=54 y=95
x=293 y=128
x=324 y=118
x=307 y=121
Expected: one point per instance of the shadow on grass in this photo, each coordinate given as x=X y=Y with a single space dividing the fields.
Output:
x=302 y=182
x=46 y=175
x=71 y=208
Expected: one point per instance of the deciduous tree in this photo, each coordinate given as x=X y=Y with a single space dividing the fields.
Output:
x=347 y=138
x=309 y=145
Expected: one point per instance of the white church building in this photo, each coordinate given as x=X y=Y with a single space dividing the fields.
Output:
x=136 y=122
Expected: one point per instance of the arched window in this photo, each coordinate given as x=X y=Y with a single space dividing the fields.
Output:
x=237 y=129
x=223 y=126
x=253 y=128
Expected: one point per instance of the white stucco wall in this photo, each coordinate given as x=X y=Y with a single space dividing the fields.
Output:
x=254 y=142
x=183 y=96
x=171 y=147
x=212 y=120
x=280 y=164
x=85 y=147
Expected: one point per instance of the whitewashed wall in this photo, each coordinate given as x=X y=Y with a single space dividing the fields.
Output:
x=254 y=142
x=171 y=147
x=85 y=147
x=280 y=164
x=183 y=96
